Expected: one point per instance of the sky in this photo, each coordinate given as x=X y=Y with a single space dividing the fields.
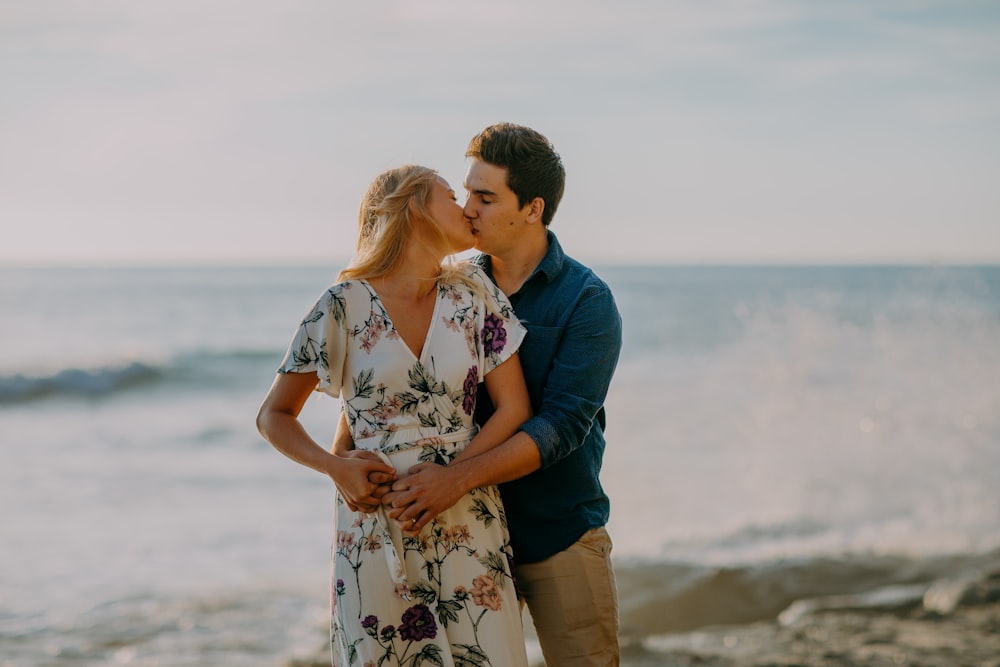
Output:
x=700 y=131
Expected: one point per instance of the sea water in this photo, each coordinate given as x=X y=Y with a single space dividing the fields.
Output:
x=762 y=419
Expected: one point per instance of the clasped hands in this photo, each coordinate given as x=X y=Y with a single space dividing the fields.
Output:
x=411 y=499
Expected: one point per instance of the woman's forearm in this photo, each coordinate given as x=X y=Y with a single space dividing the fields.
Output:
x=286 y=434
x=512 y=408
x=497 y=429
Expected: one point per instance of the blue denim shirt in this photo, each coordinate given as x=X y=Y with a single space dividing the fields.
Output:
x=569 y=356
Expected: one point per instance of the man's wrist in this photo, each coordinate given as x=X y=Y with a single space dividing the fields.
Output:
x=461 y=475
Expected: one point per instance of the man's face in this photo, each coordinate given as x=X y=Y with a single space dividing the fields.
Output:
x=492 y=208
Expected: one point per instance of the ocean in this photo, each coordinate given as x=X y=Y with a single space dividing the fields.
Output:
x=774 y=433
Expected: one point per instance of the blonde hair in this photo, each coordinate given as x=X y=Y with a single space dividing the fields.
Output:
x=393 y=206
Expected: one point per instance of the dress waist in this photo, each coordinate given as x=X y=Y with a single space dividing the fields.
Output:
x=408 y=438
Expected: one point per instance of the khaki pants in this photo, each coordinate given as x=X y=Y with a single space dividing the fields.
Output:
x=574 y=603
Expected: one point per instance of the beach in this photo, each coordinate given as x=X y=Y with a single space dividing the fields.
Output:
x=871 y=636
x=940 y=613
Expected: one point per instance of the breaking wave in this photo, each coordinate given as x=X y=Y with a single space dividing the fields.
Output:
x=109 y=379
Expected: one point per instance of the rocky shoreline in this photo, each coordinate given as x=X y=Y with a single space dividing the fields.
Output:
x=968 y=638
x=948 y=623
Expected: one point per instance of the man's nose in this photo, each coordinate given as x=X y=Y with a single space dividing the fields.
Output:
x=469 y=210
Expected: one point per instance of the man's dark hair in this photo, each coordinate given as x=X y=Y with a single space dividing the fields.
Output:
x=534 y=169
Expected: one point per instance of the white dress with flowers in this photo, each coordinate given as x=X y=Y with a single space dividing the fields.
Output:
x=445 y=597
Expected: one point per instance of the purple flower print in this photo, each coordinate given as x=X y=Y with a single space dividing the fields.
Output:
x=370 y=625
x=493 y=334
x=417 y=624
x=469 y=390
x=336 y=591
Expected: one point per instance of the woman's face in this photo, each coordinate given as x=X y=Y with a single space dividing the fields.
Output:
x=449 y=216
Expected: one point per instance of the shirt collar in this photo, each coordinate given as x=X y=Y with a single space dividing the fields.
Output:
x=550 y=266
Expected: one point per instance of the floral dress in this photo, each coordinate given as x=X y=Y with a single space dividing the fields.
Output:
x=446 y=596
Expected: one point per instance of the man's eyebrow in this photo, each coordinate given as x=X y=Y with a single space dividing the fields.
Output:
x=481 y=192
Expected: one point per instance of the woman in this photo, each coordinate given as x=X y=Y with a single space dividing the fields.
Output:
x=404 y=342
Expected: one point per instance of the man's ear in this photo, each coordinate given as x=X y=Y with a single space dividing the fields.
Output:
x=535 y=208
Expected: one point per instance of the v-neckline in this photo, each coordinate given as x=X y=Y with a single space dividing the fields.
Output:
x=430 y=325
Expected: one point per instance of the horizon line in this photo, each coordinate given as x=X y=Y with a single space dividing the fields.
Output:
x=340 y=262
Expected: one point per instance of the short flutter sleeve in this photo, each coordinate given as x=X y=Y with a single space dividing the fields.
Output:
x=320 y=343
x=500 y=332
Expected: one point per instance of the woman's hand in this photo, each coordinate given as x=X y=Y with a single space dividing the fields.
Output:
x=362 y=479
x=357 y=474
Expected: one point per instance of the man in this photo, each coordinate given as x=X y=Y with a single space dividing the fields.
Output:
x=548 y=471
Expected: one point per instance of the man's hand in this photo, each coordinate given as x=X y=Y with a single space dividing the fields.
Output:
x=425 y=492
x=362 y=479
